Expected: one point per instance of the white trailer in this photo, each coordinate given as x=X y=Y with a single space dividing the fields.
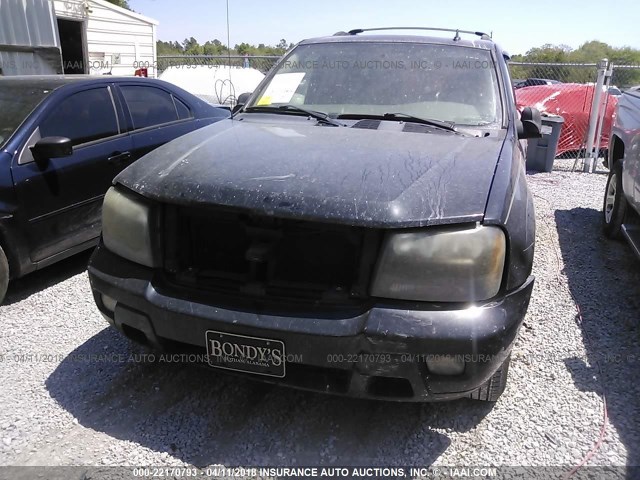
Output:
x=114 y=39
x=91 y=37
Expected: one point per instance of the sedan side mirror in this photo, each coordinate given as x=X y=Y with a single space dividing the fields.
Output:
x=243 y=98
x=530 y=124
x=51 y=147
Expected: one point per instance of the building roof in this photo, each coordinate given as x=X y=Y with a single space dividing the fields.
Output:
x=124 y=11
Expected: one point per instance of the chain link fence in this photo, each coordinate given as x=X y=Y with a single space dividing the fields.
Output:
x=530 y=74
x=564 y=89
x=262 y=63
x=625 y=75
x=567 y=89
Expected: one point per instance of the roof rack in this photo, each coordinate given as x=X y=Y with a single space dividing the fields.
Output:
x=482 y=35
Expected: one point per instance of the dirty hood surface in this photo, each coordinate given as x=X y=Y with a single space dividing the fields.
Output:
x=295 y=168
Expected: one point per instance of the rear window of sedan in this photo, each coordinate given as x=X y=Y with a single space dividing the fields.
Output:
x=151 y=106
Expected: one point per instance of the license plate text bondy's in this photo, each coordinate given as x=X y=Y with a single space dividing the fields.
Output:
x=260 y=356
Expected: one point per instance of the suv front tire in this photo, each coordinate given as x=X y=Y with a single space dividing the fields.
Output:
x=4 y=275
x=614 y=207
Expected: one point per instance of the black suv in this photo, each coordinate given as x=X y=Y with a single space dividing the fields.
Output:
x=362 y=225
x=62 y=140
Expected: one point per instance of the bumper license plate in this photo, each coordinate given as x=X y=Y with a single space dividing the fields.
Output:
x=260 y=356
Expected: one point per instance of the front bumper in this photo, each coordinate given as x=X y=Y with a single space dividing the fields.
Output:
x=381 y=353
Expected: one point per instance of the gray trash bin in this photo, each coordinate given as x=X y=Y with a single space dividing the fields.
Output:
x=542 y=151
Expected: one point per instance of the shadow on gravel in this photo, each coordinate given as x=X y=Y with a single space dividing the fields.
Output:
x=204 y=417
x=604 y=277
x=22 y=288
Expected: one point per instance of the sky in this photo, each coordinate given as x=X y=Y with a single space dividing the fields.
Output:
x=516 y=26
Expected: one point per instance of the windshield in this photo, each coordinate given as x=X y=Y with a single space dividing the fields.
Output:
x=16 y=103
x=441 y=82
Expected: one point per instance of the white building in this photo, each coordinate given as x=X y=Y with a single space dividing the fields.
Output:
x=93 y=36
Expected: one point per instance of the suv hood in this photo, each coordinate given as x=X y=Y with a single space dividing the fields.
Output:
x=293 y=168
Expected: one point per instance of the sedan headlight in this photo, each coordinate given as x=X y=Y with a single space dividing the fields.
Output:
x=126 y=227
x=441 y=265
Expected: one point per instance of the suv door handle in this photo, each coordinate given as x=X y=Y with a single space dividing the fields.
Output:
x=117 y=157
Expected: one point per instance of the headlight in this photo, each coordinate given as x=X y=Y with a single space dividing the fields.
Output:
x=441 y=265
x=125 y=227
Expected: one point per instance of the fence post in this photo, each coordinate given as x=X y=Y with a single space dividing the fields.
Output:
x=589 y=159
x=601 y=118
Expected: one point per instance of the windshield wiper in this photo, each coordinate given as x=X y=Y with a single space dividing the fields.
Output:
x=426 y=121
x=320 y=116
x=449 y=126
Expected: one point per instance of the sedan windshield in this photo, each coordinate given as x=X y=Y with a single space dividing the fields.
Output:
x=16 y=103
x=441 y=82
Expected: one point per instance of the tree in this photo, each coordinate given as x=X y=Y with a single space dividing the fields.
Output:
x=192 y=47
x=591 y=52
x=545 y=54
x=120 y=3
x=588 y=53
x=244 y=48
x=169 y=48
x=215 y=47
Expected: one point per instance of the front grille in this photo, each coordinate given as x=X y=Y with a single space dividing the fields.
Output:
x=269 y=259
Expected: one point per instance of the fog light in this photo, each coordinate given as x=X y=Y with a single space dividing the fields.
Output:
x=109 y=303
x=445 y=365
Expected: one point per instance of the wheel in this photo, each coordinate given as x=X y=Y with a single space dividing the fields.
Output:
x=4 y=275
x=615 y=203
x=491 y=391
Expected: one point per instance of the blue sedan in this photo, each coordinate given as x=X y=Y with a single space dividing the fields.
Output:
x=62 y=141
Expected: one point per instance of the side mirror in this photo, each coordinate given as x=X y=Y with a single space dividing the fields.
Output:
x=530 y=124
x=51 y=147
x=242 y=100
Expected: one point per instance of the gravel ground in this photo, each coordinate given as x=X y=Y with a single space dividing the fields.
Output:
x=77 y=393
